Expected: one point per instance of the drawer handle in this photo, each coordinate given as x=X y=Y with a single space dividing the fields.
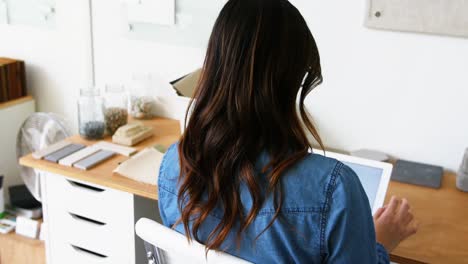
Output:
x=87 y=220
x=84 y=186
x=88 y=252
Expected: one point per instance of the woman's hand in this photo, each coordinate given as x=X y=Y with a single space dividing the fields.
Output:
x=394 y=223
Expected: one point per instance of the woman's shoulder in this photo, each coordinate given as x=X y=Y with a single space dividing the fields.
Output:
x=313 y=169
x=313 y=180
x=325 y=170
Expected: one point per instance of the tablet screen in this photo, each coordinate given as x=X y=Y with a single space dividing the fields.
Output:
x=370 y=179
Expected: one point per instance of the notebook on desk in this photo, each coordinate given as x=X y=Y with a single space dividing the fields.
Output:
x=374 y=176
x=417 y=173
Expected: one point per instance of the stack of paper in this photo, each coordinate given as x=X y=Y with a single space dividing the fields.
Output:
x=143 y=167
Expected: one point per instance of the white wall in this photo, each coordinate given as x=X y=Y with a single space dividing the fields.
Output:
x=119 y=57
x=401 y=93
x=58 y=60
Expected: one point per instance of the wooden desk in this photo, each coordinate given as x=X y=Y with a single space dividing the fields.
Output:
x=443 y=216
x=167 y=132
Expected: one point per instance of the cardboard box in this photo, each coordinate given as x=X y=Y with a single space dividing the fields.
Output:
x=175 y=105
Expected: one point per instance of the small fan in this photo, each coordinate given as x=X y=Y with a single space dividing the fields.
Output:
x=37 y=132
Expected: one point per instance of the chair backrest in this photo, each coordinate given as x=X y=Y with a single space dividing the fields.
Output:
x=173 y=247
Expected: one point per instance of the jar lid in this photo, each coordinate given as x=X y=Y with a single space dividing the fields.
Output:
x=114 y=88
x=89 y=92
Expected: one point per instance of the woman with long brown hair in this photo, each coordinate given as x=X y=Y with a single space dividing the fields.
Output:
x=241 y=179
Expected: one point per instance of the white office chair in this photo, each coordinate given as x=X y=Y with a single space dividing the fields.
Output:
x=164 y=245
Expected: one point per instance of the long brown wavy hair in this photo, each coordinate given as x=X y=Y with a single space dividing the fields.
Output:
x=261 y=60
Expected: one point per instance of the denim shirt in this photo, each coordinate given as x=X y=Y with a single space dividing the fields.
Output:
x=325 y=218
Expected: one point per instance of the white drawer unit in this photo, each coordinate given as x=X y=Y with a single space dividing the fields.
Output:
x=91 y=201
x=87 y=223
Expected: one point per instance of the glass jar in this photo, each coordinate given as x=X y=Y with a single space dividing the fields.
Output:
x=115 y=113
x=91 y=114
x=462 y=176
x=142 y=103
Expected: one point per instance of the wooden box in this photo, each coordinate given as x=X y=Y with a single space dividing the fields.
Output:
x=12 y=79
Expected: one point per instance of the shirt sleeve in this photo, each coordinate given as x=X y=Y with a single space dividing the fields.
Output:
x=167 y=187
x=349 y=229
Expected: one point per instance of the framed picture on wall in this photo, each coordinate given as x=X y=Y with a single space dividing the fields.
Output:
x=449 y=17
